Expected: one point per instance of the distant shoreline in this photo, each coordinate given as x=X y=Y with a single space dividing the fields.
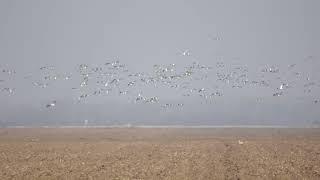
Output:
x=169 y=126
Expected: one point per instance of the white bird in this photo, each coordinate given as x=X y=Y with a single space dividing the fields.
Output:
x=52 y=104
x=240 y=142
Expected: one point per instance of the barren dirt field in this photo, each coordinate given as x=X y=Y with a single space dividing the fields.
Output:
x=136 y=153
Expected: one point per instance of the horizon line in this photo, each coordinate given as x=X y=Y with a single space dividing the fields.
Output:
x=164 y=126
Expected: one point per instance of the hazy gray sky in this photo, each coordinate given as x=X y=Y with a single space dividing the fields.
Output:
x=253 y=33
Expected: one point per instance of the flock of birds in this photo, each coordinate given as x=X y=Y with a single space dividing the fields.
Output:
x=196 y=80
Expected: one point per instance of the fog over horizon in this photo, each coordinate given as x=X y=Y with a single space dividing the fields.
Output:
x=210 y=62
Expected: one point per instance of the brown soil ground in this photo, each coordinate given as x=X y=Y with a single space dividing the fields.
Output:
x=135 y=153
